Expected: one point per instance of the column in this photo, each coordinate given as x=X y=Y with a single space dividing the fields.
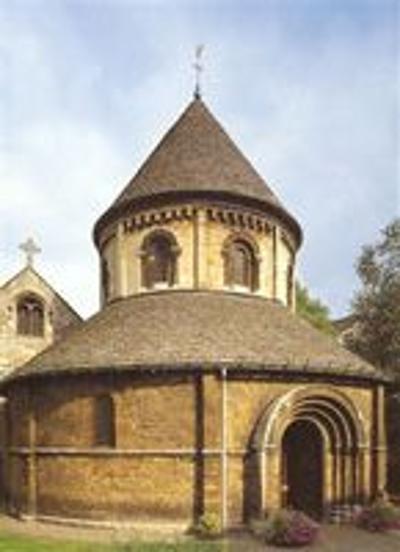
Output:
x=120 y=263
x=380 y=448
x=201 y=277
x=212 y=444
x=31 y=461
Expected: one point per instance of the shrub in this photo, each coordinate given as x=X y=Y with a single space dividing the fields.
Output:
x=379 y=517
x=287 y=528
x=208 y=526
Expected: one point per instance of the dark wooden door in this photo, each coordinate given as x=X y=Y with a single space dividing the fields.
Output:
x=303 y=468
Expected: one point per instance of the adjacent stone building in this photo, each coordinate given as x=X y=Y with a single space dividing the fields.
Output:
x=196 y=388
x=32 y=316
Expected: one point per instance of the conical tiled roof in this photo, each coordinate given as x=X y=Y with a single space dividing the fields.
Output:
x=196 y=156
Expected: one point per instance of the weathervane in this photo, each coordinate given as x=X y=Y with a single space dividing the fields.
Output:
x=199 y=69
x=30 y=249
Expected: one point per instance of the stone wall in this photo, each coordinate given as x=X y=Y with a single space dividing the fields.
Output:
x=201 y=234
x=169 y=455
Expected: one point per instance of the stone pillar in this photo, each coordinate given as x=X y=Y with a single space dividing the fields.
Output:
x=367 y=474
x=120 y=263
x=202 y=276
x=380 y=448
x=196 y=249
x=335 y=475
x=271 y=480
x=293 y=288
x=275 y=261
x=212 y=444
x=329 y=481
x=348 y=476
x=362 y=490
x=31 y=461
x=224 y=449
x=340 y=467
x=3 y=451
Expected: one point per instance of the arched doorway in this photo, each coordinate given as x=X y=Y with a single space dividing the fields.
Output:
x=302 y=468
x=323 y=424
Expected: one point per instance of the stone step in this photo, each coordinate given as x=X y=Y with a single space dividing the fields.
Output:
x=343 y=513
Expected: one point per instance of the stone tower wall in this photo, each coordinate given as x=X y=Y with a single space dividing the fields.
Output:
x=201 y=233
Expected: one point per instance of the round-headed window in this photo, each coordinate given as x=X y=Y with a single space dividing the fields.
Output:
x=159 y=260
x=241 y=266
x=30 y=316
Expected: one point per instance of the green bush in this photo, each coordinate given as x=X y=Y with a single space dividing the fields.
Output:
x=286 y=528
x=208 y=526
x=379 y=517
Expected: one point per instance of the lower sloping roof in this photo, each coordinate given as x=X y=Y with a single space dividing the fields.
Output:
x=174 y=329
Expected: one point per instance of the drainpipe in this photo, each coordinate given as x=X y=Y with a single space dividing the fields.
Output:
x=224 y=455
x=4 y=452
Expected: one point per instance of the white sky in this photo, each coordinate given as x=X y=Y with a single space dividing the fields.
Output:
x=308 y=89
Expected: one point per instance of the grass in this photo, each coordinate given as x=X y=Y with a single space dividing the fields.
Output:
x=12 y=543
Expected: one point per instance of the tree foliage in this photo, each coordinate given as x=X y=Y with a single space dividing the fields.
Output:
x=313 y=310
x=377 y=305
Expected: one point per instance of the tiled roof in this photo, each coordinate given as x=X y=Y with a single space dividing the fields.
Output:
x=197 y=156
x=178 y=329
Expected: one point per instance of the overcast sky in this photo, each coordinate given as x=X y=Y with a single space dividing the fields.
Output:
x=308 y=89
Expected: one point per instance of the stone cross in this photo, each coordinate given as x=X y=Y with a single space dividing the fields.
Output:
x=198 y=66
x=30 y=249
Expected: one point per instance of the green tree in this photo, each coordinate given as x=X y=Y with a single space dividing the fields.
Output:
x=377 y=305
x=313 y=310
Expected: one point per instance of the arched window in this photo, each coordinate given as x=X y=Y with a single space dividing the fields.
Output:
x=104 y=421
x=30 y=316
x=159 y=260
x=241 y=265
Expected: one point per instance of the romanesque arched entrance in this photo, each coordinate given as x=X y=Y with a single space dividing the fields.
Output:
x=302 y=468
x=313 y=452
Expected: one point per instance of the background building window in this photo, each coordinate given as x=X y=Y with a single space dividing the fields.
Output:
x=159 y=260
x=241 y=266
x=30 y=316
x=104 y=421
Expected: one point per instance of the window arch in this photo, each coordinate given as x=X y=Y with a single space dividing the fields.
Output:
x=240 y=264
x=30 y=316
x=159 y=260
x=104 y=421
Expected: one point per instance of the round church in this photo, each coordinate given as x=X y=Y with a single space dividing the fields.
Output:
x=195 y=388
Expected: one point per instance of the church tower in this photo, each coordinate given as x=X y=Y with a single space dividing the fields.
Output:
x=197 y=215
x=195 y=389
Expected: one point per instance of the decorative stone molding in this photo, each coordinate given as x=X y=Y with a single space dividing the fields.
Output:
x=158 y=217
x=234 y=217
x=238 y=218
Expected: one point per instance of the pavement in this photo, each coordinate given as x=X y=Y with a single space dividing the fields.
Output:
x=334 y=538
